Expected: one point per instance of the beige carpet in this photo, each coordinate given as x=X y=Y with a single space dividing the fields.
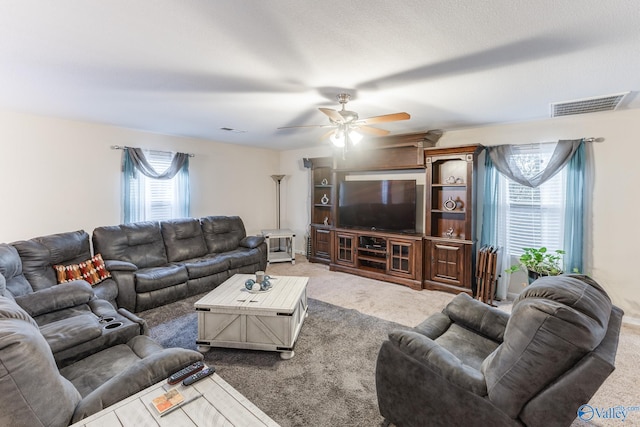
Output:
x=408 y=307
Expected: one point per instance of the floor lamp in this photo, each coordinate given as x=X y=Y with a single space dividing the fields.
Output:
x=278 y=179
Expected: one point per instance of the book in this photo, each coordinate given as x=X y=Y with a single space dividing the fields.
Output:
x=168 y=400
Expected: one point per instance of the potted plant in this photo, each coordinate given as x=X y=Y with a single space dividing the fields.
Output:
x=539 y=262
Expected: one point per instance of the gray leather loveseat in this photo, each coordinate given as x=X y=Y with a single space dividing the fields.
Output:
x=72 y=317
x=155 y=263
x=473 y=365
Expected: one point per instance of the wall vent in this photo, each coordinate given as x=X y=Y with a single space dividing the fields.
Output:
x=587 y=105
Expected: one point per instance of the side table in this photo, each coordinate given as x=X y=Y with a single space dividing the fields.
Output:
x=280 y=254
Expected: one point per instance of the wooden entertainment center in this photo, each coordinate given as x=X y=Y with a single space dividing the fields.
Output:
x=441 y=255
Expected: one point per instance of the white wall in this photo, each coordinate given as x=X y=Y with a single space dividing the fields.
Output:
x=61 y=175
x=295 y=196
x=616 y=189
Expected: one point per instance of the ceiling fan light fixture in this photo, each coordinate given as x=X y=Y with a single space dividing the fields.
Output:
x=355 y=137
x=337 y=139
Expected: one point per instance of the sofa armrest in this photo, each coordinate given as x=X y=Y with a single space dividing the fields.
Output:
x=477 y=316
x=55 y=298
x=438 y=359
x=71 y=331
x=127 y=295
x=115 y=265
x=144 y=327
x=252 y=242
x=3 y=285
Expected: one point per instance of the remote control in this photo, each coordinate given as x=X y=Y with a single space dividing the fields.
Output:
x=199 y=375
x=184 y=373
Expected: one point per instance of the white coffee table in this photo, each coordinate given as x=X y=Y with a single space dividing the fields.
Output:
x=220 y=405
x=230 y=316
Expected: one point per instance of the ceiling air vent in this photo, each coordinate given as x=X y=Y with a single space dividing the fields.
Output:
x=587 y=105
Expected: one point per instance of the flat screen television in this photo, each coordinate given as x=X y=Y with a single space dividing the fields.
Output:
x=385 y=205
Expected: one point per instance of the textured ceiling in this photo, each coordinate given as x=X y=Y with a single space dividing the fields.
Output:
x=192 y=67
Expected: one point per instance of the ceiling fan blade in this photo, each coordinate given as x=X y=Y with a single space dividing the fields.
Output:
x=371 y=130
x=333 y=114
x=385 y=118
x=305 y=126
x=328 y=134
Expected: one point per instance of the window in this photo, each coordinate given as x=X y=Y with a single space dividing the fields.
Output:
x=531 y=217
x=150 y=199
x=550 y=213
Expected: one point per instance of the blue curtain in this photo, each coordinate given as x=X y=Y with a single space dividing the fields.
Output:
x=489 y=236
x=130 y=207
x=574 y=211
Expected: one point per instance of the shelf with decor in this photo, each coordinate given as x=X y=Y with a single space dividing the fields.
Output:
x=449 y=242
x=323 y=194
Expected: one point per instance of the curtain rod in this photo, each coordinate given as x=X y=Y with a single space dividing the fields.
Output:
x=124 y=147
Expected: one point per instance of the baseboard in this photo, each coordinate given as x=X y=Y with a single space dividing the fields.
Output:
x=631 y=321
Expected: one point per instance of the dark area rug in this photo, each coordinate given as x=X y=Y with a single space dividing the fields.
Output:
x=329 y=382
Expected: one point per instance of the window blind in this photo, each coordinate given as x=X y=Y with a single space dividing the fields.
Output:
x=532 y=217
x=158 y=199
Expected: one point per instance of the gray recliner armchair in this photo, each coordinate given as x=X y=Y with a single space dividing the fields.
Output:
x=36 y=393
x=474 y=365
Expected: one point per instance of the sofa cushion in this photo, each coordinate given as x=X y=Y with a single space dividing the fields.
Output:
x=139 y=243
x=35 y=392
x=207 y=266
x=222 y=233
x=40 y=254
x=152 y=279
x=183 y=239
x=11 y=269
x=554 y=323
x=92 y=271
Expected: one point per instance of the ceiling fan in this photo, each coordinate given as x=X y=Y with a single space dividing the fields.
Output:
x=346 y=124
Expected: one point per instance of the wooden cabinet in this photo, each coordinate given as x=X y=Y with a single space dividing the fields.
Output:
x=447 y=263
x=345 y=248
x=321 y=244
x=443 y=257
x=450 y=218
x=323 y=196
x=383 y=256
x=401 y=258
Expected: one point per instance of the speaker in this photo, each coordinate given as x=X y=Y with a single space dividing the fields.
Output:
x=307 y=163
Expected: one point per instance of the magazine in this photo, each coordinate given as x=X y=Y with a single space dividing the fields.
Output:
x=168 y=400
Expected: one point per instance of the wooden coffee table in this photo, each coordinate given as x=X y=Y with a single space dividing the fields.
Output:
x=219 y=405
x=230 y=316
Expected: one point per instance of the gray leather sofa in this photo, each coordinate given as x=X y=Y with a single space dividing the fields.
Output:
x=474 y=365
x=155 y=263
x=71 y=317
x=37 y=393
